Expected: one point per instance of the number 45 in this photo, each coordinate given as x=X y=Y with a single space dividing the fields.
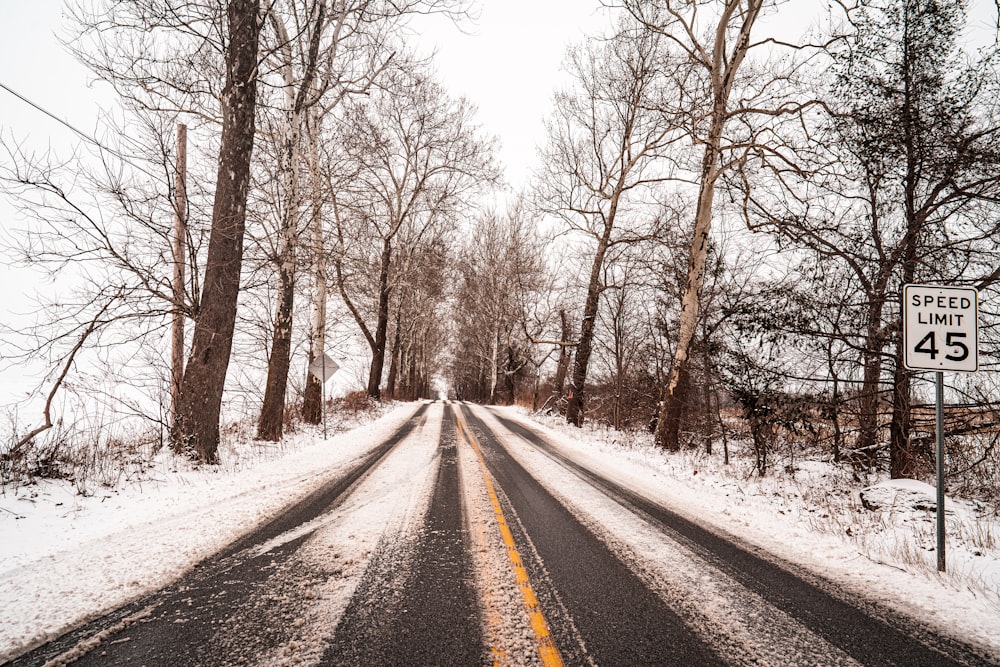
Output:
x=928 y=345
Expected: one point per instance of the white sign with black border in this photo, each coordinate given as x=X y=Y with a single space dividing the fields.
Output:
x=941 y=328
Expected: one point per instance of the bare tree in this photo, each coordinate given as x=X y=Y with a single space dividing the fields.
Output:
x=297 y=64
x=323 y=52
x=312 y=408
x=196 y=429
x=607 y=149
x=415 y=160
x=729 y=117
x=419 y=330
x=499 y=274
x=100 y=224
x=721 y=59
x=320 y=55
x=381 y=19
x=900 y=183
x=622 y=339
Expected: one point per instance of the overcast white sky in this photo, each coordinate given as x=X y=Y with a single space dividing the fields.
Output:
x=506 y=63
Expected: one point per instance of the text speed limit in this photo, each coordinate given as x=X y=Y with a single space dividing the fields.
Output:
x=940 y=328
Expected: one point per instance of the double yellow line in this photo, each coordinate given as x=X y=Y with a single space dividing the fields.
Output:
x=547 y=650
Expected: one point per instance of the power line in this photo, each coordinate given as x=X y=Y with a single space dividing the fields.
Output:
x=81 y=133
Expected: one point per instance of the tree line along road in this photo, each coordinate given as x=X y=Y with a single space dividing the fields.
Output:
x=466 y=538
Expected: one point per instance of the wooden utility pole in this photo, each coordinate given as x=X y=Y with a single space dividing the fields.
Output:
x=180 y=250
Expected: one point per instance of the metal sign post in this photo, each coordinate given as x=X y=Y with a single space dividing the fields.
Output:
x=322 y=396
x=940 y=333
x=939 y=455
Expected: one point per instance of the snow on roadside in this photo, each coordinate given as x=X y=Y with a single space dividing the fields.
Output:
x=64 y=558
x=818 y=523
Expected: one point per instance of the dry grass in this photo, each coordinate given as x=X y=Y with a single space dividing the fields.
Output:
x=103 y=452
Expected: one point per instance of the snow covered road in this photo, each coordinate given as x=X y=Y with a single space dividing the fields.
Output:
x=451 y=534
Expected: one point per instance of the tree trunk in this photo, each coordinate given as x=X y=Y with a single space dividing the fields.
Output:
x=668 y=426
x=835 y=406
x=271 y=422
x=870 y=388
x=196 y=430
x=565 y=355
x=871 y=384
x=508 y=377
x=724 y=67
x=494 y=364
x=272 y=412
x=900 y=458
x=708 y=420
x=574 y=407
x=312 y=402
x=411 y=373
x=180 y=260
x=382 y=324
x=390 y=383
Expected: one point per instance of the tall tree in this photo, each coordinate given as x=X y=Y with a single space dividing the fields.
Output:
x=323 y=52
x=196 y=429
x=944 y=151
x=731 y=111
x=498 y=274
x=302 y=88
x=720 y=59
x=109 y=218
x=902 y=180
x=608 y=139
x=312 y=408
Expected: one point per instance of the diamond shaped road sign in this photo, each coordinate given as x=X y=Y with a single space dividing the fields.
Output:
x=323 y=367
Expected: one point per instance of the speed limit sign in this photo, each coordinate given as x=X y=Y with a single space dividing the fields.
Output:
x=940 y=328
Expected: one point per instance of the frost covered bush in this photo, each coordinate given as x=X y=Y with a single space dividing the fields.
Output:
x=40 y=457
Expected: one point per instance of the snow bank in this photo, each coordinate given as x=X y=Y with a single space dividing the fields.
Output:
x=905 y=494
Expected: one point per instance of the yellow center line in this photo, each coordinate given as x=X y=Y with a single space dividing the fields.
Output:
x=546 y=645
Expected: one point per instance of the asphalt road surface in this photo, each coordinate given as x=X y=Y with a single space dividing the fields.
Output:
x=465 y=539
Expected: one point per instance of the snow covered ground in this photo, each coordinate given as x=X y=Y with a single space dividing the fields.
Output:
x=65 y=557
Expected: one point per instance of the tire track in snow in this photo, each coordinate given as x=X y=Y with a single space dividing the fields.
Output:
x=742 y=627
x=185 y=617
x=363 y=554
x=416 y=604
x=601 y=612
x=866 y=634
